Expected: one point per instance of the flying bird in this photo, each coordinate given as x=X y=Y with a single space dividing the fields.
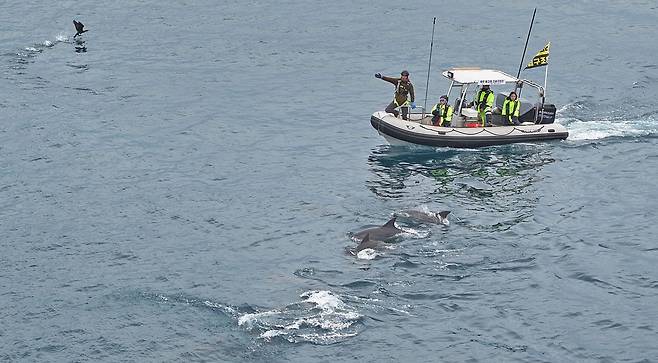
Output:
x=79 y=28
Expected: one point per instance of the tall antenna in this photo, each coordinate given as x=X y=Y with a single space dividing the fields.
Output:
x=429 y=66
x=526 y=43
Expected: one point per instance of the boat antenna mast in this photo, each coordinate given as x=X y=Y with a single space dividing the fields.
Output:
x=526 y=43
x=429 y=66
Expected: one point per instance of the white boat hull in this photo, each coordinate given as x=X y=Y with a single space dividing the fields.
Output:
x=400 y=132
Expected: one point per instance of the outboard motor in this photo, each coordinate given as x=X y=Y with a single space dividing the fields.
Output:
x=545 y=117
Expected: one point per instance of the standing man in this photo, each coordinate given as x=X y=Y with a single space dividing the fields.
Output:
x=484 y=101
x=403 y=88
x=442 y=112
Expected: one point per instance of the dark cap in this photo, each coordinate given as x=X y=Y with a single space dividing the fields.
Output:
x=405 y=73
x=444 y=97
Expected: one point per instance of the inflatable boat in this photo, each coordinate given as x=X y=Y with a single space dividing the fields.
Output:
x=465 y=131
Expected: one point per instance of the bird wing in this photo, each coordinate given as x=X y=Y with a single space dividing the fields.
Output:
x=78 y=25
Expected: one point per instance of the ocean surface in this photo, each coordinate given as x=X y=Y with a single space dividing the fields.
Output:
x=180 y=184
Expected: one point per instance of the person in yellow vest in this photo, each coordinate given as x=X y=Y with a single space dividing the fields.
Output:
x=483 y=102
x=403 y=87
x=442 y=112
x=511 y=108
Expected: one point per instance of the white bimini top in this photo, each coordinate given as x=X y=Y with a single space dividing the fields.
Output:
x=479 y=76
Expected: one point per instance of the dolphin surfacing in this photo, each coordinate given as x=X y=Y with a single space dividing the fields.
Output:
x=427 y=217
x=366 y=242
x=387 y=231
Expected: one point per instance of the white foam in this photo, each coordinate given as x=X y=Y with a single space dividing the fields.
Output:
x=595 y=130
x=326 y=322
x=225 y=308
x=366 y=254
x=327 y=338
x=324 y=299
x=272 y=333
x=249 y=319
x=61 y=37
x=47 y=43
x=415 y=232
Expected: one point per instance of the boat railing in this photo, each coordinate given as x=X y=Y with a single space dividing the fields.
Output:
x=422 y=112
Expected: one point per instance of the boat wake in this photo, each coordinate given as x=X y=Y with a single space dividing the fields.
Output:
x=586 y=124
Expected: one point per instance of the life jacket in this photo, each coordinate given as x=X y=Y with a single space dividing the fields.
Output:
x=511 y=108
x=484 y=99
x=401 y=92
x=445 y=112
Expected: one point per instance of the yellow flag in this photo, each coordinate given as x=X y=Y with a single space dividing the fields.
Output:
x=541 y=59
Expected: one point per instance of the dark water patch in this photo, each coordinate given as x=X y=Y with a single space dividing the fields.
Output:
x=444 y=277
x=79 y=67
x=84 y=90
x=503 y=346
x=406 y=264
x=439 y=296
x=51 y=348
x=90 y=288
x=513 y=266
x=124 y=256
x=359 y=284
x=591 y=279
x=609 y=324
x=317 y=274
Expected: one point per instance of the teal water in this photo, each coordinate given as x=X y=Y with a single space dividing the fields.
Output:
x=184 y=189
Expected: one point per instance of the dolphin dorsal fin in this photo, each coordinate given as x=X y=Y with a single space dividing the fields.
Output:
x=366 y=238
x=390 y=223
x=444 y=214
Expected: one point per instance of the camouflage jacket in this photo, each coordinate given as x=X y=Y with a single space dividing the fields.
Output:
x=402 y=89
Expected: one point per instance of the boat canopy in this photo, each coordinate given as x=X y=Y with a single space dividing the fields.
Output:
x=479 y=76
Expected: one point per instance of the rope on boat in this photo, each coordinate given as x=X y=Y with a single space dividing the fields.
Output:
x=484 y=129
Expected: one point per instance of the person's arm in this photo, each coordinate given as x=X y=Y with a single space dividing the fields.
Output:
x=411 y=92
x=391 y=80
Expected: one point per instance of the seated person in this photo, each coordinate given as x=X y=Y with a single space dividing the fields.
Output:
x=510 y=109
x=442 y=112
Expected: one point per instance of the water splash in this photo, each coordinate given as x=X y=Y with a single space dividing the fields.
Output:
x=62 y=37
x=367 y=254
x=321 y=318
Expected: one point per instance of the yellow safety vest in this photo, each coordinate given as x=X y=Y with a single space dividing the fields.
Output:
x=484 y=99
x=445 y=112
x=511 y=108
